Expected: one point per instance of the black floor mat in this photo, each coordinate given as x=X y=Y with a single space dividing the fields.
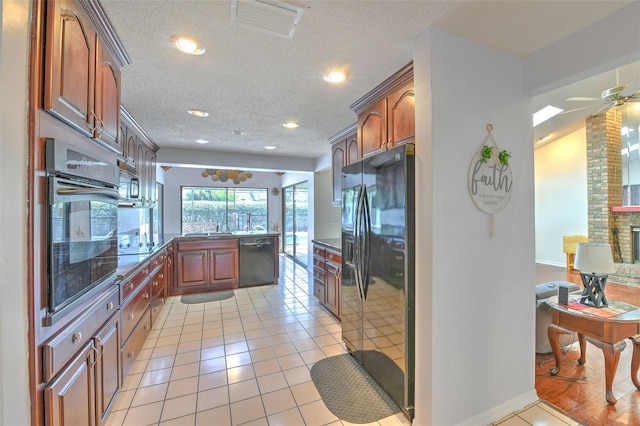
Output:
x=213 y=296
x=349 y=392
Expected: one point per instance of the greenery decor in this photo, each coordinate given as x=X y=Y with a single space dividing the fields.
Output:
x=504 y=156
x=487 y=152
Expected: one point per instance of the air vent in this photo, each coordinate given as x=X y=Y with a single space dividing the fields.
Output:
x=269 y=16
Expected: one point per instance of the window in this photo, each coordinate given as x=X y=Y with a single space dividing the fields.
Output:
x=206 y=209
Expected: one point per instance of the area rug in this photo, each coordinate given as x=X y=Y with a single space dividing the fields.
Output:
x=213 y=296
x=349 y=392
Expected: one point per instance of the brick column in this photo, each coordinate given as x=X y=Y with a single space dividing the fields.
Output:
x=604 y=173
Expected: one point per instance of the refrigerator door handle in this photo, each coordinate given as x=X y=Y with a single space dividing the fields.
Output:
x=357 y=246
x=366 y=240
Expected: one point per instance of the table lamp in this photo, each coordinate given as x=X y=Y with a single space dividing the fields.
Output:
x=595 y=262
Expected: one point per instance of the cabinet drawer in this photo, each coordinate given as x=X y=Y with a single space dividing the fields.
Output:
x=334 y=270
x=318 y=262
x=207 y=244
x=158 y=260
x=319 y=273
x=133 y=311
x=319 y=251
x=59 y=350
x=157 y=301
x=319 y=290
x=334 y=257
x=133 y=283
x=157 y=281
x=132 y=347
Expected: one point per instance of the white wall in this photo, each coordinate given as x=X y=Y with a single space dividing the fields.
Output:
x=474 y=312
x=14 y=355
x=327 y=217
x=561 y=195
x=177 y=177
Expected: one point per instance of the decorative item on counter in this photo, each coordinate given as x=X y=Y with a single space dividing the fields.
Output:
x=222 y=175
x=489 y=178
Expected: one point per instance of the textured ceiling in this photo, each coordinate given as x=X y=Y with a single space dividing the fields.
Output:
x=252 y=82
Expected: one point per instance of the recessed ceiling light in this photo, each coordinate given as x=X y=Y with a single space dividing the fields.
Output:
x=290 y=125
x=202 y=141
x=188 y=44
x=545 y=113
x=198 y=113
x=335 y=76
x=269 y=147
x=237 y=133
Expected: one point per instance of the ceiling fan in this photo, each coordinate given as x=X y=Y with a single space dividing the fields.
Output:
x=614 y=96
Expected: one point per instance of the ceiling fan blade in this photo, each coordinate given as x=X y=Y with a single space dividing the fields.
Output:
x=579 y=109
x=582 y=98
x=603 y=109
x=631 y=89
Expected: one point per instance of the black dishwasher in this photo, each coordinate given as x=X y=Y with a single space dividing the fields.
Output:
x=257 y=261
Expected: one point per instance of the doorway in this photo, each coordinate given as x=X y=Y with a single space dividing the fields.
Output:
x=295 y=208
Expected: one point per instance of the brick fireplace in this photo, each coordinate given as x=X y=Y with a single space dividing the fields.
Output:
x=608 y=221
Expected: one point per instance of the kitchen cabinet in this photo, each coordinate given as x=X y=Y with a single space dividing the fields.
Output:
x=82 y=81
x=170 y=270
x=157 y=285
x=82 y=366
x=344 y=150
x=327 y=276
x=386 y=115
x=205 y=265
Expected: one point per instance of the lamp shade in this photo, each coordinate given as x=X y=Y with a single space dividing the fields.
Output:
x=594 y=258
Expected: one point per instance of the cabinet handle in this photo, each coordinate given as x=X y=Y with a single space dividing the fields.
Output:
x=145 y=295
x=131 y=354
x=170 y=261
x=76 y=338
x=161 y=275
x=130 y=285
x=155 y=283
x=130 y=316
x=109 y=306
x=91 y=128
x=146 y=271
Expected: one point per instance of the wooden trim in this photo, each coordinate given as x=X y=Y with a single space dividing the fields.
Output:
x=107 y=33
x=623 y=209
x=396 y=81
x=343 y=134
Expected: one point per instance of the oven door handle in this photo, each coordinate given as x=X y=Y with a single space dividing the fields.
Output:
x=111 y=193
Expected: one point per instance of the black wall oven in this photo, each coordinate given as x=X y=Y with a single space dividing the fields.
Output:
x=82 y=225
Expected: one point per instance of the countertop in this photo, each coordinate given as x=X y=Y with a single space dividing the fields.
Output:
x=332 y=243
x=128 y=263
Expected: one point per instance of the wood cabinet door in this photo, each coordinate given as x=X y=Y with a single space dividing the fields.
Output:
x=169 y=276
x=224 y=266
x=131 y=149
x=107 y=343
x=333 y=288
x=401 y=117
x=193 y=268
x=353 y=153
x=70 y=399
x=107 y=98
x=338 y=160
x=70 y=65
x=372 y=129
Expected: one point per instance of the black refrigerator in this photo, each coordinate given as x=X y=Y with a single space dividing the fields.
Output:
x=378 y=269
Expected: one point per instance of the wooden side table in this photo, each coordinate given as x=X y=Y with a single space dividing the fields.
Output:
x=606 y=328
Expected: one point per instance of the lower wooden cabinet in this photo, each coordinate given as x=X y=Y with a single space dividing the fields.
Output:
x=205 y=265
x=83 y=391
x=327 y=276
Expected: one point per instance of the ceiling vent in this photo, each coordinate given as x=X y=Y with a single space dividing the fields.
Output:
x=269 y=16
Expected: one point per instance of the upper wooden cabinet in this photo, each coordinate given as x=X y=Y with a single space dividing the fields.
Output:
x=386 y=115
x=344 y=150
x=83 y=58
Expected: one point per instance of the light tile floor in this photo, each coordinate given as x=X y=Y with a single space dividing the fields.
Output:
x=245 y=361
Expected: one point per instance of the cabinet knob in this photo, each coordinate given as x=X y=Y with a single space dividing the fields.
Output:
x=109 y=306
x=130 y=316
x=76 y=338
x=131 y=354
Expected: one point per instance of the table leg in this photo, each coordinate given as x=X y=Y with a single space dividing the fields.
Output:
x=583 y=349
x=611 y=357
x=635 y=360
x=554 y=333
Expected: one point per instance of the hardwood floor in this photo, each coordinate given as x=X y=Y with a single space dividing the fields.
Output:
x=580 y=390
